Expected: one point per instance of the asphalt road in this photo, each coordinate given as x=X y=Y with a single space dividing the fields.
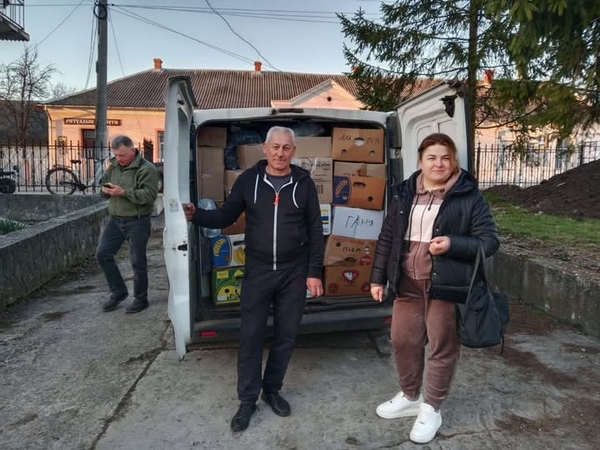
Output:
x=73 y=377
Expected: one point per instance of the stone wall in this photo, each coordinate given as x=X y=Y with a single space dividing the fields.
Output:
x=540 y=283
x=35 y=255
x=40 y=207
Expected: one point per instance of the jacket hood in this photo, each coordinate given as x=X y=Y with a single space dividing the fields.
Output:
x=465 y=183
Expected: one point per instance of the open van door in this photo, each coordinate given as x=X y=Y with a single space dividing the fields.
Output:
x=441 y=109
x=179 y=104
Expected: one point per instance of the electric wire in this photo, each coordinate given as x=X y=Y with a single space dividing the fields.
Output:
x=114 y=35
x=241 y=37
x=214 y=47
x=60 y=24
x=92 y=52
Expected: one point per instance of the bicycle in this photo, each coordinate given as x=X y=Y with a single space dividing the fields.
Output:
x=65 y=180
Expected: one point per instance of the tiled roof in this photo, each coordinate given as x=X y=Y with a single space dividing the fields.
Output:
x=212 y=88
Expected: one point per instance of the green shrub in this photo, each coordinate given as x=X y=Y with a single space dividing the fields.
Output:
x=7 y=226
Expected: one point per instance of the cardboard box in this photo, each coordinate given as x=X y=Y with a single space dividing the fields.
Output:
x=230 y=177
x=212 y=137
x=359 y=169
x=227 y=285
x=228 y=250
x=238 y=227
x=211 y=173
x=248 y=155
x=326 y=219
x=341 y=281
x=360 y=192
x=358 y=145
x=313 y=147
x=345 y=251
x=356 y=222
x=321 y=171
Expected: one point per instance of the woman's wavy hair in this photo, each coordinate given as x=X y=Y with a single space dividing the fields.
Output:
x=441 y=139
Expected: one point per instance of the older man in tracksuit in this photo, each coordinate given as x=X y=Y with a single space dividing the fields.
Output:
x=284 y=257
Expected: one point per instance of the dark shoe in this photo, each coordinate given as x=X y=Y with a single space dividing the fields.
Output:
x=136 y=306
x=278 y=404
x=241 y=420
x=113 y=302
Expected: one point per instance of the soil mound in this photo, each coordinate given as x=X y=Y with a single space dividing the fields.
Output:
x=574 y=193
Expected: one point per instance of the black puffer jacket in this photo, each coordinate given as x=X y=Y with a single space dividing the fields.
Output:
x=280 y=232
x=464 y=217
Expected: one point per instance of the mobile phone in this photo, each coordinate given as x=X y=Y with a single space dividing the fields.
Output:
x=108 y=185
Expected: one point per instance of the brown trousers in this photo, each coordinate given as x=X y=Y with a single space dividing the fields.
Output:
x=416 y=321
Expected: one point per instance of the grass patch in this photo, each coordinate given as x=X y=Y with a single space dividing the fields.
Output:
x=8 y=226
x=566 y=231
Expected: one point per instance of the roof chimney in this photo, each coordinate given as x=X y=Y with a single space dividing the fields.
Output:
x=157 y=64
x=257 y=66
x=488 y=76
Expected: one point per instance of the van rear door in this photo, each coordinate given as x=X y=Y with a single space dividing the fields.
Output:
x=441 y=109
x=178 y=119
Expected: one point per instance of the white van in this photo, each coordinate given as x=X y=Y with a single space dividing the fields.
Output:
x=194 y=314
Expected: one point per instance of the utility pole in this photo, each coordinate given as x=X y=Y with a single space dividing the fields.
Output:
x=100 y=154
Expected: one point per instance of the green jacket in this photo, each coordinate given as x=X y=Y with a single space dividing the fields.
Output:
x=140 y=182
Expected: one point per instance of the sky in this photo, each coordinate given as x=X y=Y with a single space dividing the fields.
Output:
x=186 y=34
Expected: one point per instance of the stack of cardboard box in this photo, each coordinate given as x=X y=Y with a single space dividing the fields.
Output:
x=349 y=172
x=359 y=179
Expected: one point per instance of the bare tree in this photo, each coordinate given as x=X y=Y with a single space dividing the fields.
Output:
x=23 y=83
x=60 y=90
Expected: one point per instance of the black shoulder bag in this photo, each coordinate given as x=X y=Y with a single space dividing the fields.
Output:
x=481 y=320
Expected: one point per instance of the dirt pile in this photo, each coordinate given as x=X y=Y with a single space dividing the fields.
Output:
x=574 y=193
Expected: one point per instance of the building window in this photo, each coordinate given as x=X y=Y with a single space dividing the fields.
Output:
x=88 y=142
x=160 y=138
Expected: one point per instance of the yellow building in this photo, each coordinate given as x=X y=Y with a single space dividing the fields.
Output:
x=136 y=108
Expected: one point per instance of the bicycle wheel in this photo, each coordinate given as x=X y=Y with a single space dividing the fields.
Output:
x=61 y=181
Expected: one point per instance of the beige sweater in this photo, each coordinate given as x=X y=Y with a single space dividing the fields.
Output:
x=417 y=263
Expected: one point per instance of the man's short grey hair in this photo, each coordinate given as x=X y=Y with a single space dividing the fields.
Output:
x=121 y=141
x=284 y=130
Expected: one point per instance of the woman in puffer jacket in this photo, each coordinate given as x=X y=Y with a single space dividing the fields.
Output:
x=425 y=253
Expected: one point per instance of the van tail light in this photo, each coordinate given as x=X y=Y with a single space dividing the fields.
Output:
x=387 y=319
x=208 y=333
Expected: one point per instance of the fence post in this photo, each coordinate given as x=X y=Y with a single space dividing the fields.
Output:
x=581 y=153
x=478 y=160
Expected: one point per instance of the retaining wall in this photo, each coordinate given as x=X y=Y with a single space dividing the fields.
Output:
x=40 y=207
x=568 y=296
x=35 y=255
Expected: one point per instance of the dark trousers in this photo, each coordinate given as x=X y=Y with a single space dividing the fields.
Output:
x=136 y=232
x=285 y=290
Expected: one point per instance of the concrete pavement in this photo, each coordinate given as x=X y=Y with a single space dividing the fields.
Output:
x=72 y=377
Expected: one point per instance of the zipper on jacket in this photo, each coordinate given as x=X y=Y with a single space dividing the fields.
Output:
x=275 y=211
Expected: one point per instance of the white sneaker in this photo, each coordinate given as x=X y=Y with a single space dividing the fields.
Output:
x=427 y=425
x=398 y=407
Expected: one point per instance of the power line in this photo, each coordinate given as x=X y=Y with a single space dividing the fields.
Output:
x=156 y=24
x=60 y=24
x=109 y=18
x=308 y=16
x=92 y=52
x=240 y=36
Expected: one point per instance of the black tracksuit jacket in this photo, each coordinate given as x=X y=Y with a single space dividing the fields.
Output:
x=464 y=217
x=281 y=231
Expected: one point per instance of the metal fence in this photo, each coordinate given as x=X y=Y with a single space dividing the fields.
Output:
x=502 y=164
x=495 y=164
x=32 y=161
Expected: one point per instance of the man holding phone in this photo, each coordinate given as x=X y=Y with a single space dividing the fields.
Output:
x=131 y=185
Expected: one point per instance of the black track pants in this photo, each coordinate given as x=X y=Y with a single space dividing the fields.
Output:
x=285 y=290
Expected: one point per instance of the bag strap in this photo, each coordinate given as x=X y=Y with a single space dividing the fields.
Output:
x=478 y=266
